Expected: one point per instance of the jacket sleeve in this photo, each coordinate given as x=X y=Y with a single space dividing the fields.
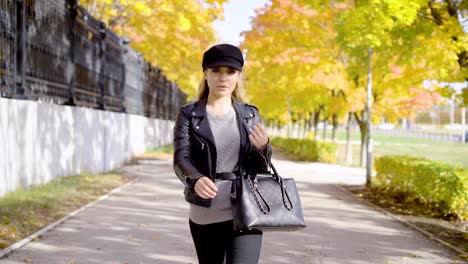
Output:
x=183 y=166
x=261 y=158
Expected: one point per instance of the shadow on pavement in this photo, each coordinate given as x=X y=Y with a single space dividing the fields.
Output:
x=147 y=222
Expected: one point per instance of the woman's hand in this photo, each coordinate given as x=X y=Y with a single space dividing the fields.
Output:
x=258 y=136
x=205 y=188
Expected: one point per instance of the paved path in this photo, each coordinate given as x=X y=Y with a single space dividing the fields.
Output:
x=146 y=222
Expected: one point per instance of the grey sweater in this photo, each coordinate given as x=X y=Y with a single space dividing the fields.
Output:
x=227 y=140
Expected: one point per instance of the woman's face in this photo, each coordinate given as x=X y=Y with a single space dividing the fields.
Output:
x=221 y=81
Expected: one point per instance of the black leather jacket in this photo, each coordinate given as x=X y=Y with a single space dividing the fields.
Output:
x=195 y=150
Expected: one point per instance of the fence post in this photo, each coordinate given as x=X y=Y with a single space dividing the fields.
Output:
x=73 y=8
x=167 y=100
x=8 y=49
x=124 y=44
x=18 y=92
x=102 y=39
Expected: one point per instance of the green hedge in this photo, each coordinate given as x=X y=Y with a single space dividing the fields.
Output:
x=307 y=150
x=431 y=182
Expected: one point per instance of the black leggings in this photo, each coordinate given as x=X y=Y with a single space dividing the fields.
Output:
x=214 y=241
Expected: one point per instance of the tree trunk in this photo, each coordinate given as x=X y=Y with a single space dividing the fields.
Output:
x=452 y=110
x=463 y=123
x=404 y=124
x=335 y=126
x=316 y=120
x=363 y=145
x=325 y=123
x=309 y=124
x=349 y=150
x=305 y=127
x=363 y=129
x=298 y=125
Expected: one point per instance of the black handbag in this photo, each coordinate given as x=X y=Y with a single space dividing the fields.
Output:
x=266 y=202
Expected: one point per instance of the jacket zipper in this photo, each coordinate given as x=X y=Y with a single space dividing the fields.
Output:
x=202 y=144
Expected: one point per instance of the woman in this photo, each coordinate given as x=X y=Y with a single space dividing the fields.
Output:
x=217 y=139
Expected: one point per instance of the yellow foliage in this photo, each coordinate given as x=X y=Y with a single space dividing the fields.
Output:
x=170 y=34
x=314 y=55
x=291 y=54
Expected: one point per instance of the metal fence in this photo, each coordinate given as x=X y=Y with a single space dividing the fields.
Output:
x=8 y=41
x=421 y=134
x=56 y=51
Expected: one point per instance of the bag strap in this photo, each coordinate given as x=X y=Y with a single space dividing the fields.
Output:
x=285 y=195
x=256 y=191
x=284 y=192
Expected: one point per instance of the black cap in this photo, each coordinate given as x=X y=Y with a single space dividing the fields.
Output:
x=223 y=55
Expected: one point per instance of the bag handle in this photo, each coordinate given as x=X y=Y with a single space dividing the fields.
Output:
x=284 y=192
x=285 y=196
x=256 y=191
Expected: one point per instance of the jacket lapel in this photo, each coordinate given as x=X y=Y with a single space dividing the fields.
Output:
x=245 y=114
x=201 y=125
x=200 y=122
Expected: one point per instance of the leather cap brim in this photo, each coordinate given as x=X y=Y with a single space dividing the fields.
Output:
x=233 y=64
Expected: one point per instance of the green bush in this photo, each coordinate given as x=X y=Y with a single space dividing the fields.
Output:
x=307 y=150
x=431 y=182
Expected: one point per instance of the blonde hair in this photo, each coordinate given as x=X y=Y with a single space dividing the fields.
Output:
x=238 y=93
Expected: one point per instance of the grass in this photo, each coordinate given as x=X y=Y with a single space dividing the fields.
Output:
x=448 y=152
x=25 y=211
x=162 y=153
x=380 y=137
x=452 y=154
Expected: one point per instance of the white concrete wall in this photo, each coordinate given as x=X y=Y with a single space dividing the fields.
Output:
x=42 y=141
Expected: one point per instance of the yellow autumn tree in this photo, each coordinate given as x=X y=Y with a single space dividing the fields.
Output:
x=311 y=56
x=293 y=64
x=407 y=50
x=170 y=34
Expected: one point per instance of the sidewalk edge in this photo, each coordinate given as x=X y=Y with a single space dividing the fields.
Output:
x=407 y=223
x=19 y=244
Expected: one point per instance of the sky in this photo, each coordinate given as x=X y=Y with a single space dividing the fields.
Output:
x=237 y=16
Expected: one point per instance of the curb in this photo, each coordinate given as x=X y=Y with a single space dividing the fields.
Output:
x=19 y=244
x=407 y=223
